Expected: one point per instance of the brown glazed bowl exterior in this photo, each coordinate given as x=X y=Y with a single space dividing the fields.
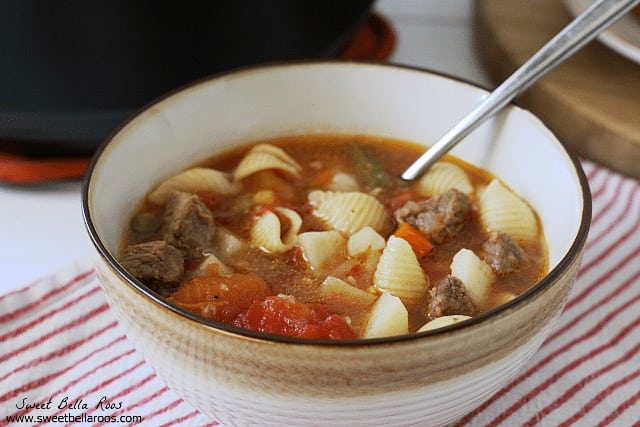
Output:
x=245 y=378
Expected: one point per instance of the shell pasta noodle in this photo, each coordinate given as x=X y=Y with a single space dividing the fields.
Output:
x=400 y=273
x=349 y=212
x=315 y=229
x=266 y=157
x=442 y=177
x=266 y=231
x=193 y=181
x=501 y=209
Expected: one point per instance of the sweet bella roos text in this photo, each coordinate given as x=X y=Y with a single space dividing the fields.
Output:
x=103 y=404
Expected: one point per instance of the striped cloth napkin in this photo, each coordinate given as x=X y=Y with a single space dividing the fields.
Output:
x=64 y=355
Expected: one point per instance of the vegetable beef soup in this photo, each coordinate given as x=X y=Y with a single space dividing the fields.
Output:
x=316 y=236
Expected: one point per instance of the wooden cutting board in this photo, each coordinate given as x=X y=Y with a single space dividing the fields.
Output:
x=591 y=102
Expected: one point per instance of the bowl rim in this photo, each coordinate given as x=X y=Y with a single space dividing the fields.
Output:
x=570 y=256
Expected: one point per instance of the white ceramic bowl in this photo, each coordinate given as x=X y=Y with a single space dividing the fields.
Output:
x=244 y=378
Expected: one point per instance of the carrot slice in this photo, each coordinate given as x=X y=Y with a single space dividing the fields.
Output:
x=219 y=297
x=418 y=241
x=323 y=178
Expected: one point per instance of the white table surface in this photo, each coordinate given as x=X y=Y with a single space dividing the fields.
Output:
x=42 y=229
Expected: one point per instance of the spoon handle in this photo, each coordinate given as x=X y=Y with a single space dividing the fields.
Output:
x=579 y=32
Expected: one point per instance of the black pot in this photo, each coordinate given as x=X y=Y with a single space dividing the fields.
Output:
x=72 y=70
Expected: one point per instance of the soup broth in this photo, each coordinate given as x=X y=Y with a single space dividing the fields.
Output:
x=316 y=236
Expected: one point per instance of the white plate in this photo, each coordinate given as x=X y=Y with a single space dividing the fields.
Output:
x=623 y=36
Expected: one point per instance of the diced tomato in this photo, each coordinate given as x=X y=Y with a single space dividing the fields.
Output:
x=360 y=276
x=283 y=315
x=418 y=241
x=219 y=297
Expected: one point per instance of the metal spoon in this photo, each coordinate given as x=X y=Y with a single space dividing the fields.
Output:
x=579 y=32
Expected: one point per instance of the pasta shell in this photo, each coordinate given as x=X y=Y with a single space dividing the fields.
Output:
x=442 y=177
x=441 y=322
x=263 y=157
x=320 y=246
x=193 y=180
x=275 y=152
x=266 y=231
x=502 y=210
x=400 y=273
x=476 y=275
x=387 y=317
x=349 y=212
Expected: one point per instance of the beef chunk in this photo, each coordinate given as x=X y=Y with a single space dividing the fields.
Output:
x=503 y=253
x=188 y=224
x=158 y=264
x=439 y=217
x=449 y=297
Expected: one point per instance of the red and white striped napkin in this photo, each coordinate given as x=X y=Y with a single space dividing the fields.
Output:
x=63 y=353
